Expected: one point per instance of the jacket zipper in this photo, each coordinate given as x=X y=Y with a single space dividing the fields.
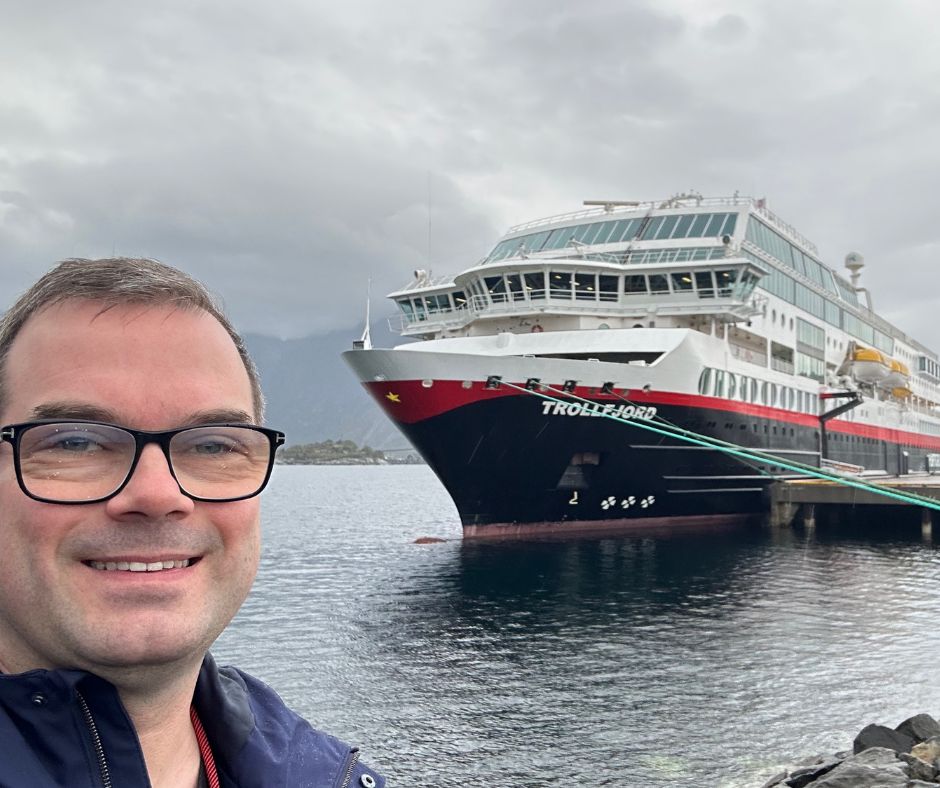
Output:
x=350 y=765
x=96 y=741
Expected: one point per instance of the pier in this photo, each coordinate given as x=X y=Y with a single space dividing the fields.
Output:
x=802 y=501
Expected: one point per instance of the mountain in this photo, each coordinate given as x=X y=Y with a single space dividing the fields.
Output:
x=313 y=396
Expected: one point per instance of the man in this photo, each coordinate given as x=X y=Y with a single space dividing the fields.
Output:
x=129 y=537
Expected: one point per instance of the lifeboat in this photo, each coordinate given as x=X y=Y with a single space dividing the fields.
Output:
x=899 y=375
x=870 y=365
x=901 y=392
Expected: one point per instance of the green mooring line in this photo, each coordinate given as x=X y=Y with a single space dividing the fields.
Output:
x=740 y=452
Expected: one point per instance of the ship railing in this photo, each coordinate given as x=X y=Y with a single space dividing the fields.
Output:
x=782 y=366
x=617 y=209
x=748 y=354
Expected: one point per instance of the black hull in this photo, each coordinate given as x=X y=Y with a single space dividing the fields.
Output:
x=507 y=463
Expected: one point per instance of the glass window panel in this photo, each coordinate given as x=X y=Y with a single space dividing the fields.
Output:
x=681 y=255
x=652 y=228
x=554 y=238
x=729 y=225
x=559 y=283
x=460 y=298
x=535 y=241
x=681 y=281
x=732 y=385
x=592 y=231
x=564 y=236
x=418 y=306
x=704 y=284
x=535 y=285
x=496 y=287
x=659 y=283
x=607 y=287
x=682 y=228
x=725 y=282
x=585 y=287
x=634 y=283
x=704 y=380
x=698 y=226
x=580 y=231
x=406 y=307
x=668 y=225
x=603 y=230
x=515 y=286
x=714 y=224
x=616 y=234
x=632 y=229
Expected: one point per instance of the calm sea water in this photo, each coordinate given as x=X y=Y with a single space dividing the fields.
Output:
x=694 y=661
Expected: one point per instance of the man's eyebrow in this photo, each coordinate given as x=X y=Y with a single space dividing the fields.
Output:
x=73 y=410
x=220 y=416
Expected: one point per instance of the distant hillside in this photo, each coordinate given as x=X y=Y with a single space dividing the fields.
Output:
x=313 y=396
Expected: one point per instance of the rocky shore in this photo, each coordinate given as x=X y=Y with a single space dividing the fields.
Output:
x=907 y=756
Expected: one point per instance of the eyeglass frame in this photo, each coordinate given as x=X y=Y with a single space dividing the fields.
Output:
x=12 y=434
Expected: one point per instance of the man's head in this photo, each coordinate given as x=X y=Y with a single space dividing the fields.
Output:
x=113 y=282
x=141 y=345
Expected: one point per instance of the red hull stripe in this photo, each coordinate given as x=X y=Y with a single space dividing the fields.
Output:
x=410 y=401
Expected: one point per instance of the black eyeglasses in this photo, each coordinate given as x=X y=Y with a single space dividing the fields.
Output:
x=87 y=461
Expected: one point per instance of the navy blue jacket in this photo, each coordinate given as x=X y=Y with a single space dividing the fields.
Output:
x=68 y=729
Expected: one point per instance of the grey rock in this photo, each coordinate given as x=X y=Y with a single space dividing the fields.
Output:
x=921 y=784
x=858 y=775
x=800 y=778
x=920 y=727
x=777 y=779
x=918 y=769
x=875 y=756
x=927 y=750
x=882 y=736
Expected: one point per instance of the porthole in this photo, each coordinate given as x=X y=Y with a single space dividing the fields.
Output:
x=427 y=383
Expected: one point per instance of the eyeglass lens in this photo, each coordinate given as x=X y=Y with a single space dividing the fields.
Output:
x=85 y=462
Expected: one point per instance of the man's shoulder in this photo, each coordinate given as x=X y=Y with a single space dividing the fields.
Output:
x=254 y=735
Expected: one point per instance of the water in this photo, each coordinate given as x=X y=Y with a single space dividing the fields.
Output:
x=698 y=661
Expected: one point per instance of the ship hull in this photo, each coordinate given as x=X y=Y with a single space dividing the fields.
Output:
x=520 y=461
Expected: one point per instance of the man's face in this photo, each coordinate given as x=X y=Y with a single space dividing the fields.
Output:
x=144 y=367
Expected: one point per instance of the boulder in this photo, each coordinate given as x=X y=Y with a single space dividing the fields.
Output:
x=919 y=727
x=928 y=751
x=859 y=775
x=917 y=768
x=776 y=780
x=799 y=778
x=882 y=736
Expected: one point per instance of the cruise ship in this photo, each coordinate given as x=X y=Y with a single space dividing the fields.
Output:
x=556 y=380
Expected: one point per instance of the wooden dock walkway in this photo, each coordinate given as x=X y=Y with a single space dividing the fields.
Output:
x=792 y=500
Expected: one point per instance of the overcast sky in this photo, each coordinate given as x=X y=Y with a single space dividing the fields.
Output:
x=286 y=152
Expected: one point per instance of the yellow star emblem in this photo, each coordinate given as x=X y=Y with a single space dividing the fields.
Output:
x=393 y=397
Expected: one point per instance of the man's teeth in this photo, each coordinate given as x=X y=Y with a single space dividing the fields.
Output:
x=138 y=566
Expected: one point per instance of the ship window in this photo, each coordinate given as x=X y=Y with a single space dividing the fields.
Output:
x=730 y=221
x=559 y=240
x=560 y=284
x=732 y=385
x=420 y=314
x=698 y=226
x=460 y=299
x=659 y=283
x=755 y=385
x=634 y=283
x=652 y=228
x=682 y=229
x=585 y=287
x=581 y=232
x=719 y=383
x=681 y=281
x=668 y=226
x=496 y=286
x=725 y=280
x=591 y=237
x=607 y=287
x=704 y=284
x=704 y=380
x=714 y=224
x=535 y=284
x=534 y=242
x=405 y=306
x=515 y=286
x=772 y=394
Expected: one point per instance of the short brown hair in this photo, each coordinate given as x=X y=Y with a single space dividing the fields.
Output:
x=111 y=282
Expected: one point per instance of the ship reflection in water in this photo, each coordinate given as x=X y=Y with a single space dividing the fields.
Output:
x=697 y=659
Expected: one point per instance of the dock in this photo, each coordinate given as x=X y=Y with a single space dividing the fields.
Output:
x=794 y=501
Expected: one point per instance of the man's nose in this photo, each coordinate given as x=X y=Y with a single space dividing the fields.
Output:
x=151 y=491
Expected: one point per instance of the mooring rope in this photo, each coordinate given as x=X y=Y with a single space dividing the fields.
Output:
x=749 y=455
